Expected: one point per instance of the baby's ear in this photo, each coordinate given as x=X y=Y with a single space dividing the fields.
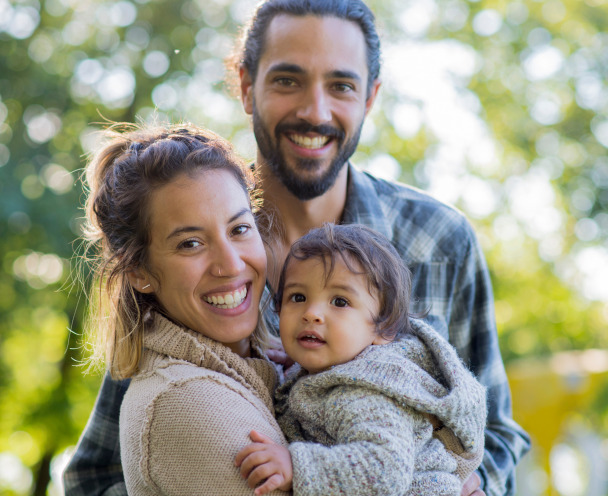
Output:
x=140 y=281
x=380 y=339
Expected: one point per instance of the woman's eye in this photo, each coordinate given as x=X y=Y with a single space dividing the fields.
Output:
x=340 y=302
x=189 y=244
x=240 y=229
x=297 y=298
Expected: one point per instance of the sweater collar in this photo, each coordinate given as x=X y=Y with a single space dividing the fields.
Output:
x=167 y=338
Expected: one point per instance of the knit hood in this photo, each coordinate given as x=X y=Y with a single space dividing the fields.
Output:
x=437 y=386
x=164 y=338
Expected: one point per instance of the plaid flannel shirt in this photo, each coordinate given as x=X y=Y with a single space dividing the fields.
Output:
x=449 y=279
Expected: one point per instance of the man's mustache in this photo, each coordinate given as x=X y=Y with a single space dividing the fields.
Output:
x=305 y=127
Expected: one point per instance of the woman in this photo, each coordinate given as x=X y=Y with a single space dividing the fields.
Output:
x=182 y=272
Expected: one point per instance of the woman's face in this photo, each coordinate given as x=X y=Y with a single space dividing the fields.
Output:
x=206 y=263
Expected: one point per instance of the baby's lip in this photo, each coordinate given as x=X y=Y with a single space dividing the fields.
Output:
x=310 y=335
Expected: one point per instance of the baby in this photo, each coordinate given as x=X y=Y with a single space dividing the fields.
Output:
x=378 y=403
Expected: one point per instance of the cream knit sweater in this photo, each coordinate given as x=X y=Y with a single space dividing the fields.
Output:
x=363 y=427
x=189 y=411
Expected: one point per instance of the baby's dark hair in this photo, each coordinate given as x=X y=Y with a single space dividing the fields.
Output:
x=366 y=252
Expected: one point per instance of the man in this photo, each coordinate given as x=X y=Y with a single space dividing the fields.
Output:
x=309 y=74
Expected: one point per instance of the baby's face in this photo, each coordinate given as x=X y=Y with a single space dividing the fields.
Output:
x=325 y=323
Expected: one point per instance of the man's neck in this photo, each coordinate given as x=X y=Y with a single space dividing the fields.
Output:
x=296 y=217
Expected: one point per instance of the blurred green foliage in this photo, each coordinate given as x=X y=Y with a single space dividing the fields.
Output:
x=499 y=107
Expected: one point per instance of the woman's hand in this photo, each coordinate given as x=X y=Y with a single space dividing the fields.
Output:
x=265 y=461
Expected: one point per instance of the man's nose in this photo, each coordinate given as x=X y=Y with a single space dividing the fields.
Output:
x=315 y=106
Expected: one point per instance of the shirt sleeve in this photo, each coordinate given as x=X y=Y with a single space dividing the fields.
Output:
x=472 y=329
x=94 y=469
x=190 y=436
x=372 y=450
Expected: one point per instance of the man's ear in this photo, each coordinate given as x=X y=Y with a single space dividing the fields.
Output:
x=373 y=92
x=246 y=89
x=140 y=281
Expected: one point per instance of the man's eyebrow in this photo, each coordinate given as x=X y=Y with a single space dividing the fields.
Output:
x=296 y=69
x=343 y=74
x=286 y=67
x=188 y=229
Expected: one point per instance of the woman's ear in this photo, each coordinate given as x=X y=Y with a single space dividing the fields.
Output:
x=140 y=281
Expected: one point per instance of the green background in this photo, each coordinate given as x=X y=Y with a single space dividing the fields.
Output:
x=500 y=108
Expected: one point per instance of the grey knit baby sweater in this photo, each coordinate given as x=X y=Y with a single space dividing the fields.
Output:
x=363 y=427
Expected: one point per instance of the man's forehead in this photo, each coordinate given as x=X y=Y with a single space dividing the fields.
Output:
x=295 y=40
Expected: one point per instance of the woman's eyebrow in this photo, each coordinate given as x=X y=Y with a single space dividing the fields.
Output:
x=188 y=229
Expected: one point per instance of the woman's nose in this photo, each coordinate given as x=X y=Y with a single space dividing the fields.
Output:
x=228 y=261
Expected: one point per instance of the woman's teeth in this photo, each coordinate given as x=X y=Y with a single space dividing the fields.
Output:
x=228 y=300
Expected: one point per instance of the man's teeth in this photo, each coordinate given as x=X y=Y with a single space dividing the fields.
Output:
x=308 y=142
x=228 y=300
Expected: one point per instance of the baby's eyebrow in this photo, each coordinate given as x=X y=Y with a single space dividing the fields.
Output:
x=292 y=285
x=345 y=287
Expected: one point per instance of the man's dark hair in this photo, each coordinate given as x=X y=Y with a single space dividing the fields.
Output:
x=251 y=45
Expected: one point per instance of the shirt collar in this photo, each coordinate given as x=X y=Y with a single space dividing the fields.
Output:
x=363 y=204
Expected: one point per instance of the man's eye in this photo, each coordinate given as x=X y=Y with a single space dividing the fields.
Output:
x=285 y=81
x=340 y=302
x=297 y=298
x=343 y=87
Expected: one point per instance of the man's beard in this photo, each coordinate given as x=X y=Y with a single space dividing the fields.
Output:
x=303 y=189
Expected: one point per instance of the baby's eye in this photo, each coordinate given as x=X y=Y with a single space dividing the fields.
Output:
x=339 y=302
x=297 y=298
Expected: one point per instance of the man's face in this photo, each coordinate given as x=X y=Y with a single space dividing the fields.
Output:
x=309 y=100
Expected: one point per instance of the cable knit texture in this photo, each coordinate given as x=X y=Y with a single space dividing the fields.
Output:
x=189 y=411
x=364 y=427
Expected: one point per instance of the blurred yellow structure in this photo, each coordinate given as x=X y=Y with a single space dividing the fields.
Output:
x=548 y=392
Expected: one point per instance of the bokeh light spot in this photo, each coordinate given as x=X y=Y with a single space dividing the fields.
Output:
x=5 y=155
x=156 y=63
x=543 y=63
x=57 y=178
x=20 y=22
x=487 y=22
